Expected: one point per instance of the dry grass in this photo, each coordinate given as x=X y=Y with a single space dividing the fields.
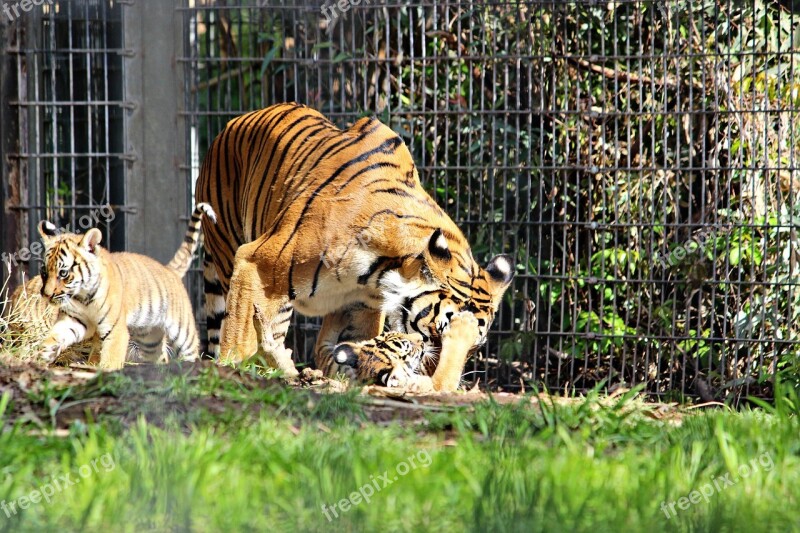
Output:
x=25 y=321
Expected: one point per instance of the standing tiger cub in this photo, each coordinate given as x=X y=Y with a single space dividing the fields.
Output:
x=118 y=296
x=34 y=316
x=333 y=223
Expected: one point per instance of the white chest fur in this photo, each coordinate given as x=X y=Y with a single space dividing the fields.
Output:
x=338 y=286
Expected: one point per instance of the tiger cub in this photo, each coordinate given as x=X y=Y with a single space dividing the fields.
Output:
x=30 y=317
x=391 y=360
x=117 y=296
x=397 y=359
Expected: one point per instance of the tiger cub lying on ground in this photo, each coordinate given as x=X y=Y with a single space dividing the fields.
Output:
x=397 y=359
x=118 y=296
x=392 y=359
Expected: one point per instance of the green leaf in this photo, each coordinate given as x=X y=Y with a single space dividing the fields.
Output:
x=268 y=57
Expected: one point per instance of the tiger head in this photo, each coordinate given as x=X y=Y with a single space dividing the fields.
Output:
x=391 y=359
x=71 y=267
x=430 y=287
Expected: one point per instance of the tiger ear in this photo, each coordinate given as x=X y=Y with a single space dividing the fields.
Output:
x=344 y=354
x=438 y=247
x=47 y=230
x=501 y=270
x=92 y=239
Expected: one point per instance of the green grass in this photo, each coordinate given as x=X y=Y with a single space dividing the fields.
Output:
x=276 y=455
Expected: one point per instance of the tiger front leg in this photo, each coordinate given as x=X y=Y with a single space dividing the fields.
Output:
x=458 y=339
x=257 y=320
x=65 y=332
x=115 y=347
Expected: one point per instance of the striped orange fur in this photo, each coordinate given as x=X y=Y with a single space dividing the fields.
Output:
x=333 y=223
x=392 y=359
x=118 y=296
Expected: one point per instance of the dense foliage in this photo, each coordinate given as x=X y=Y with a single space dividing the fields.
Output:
x=637 y=157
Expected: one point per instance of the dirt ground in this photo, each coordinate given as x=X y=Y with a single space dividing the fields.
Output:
x=56 y=398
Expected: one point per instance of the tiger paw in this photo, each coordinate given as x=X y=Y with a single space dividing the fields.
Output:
x=419 y=385
x=462 y=326
x=49 y=353
x=289 y=371
x=311 y=374
x=281 y=358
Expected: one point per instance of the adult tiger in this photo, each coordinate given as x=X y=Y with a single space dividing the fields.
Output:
x=333 y=223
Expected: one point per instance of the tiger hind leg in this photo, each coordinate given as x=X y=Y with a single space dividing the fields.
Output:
x=249 y=306
x=182 y=335
x=151 y=345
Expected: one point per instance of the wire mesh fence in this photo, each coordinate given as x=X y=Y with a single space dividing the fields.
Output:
x=636 y=157
x=64 y=153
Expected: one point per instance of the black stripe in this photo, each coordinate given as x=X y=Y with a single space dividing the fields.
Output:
x=479 y=290
x=255 y=116
x=92 y=293
x=284 y=150
x=265 y=126
x=104 y=337
x=329 y=152
x=182 y=336
x=463 y=295
x=316 y=280
x=306 y=150
x=389 y=263
x=387 y=146
x=363 y=278
x=364 y=170
x=104 y=316
x=396 y=215
x=214 y=321
x=150 y=345
x=213 y=289
x=292 y=292
x=79 y=321
x=386 y=270
x=424 y=312
x=394 y=191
